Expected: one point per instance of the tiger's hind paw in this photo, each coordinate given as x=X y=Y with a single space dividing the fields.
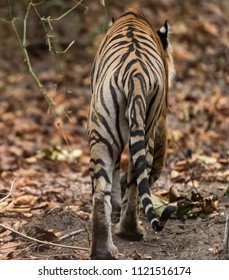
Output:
x=105 y=254
x=131 y=233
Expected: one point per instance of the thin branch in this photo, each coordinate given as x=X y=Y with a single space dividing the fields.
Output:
x=49 y=40
x=66 y=49
x=23 y=44
x=103 y=2
x=43 y=242
x=49 y=19
x=71 y=234
x=226 y=235
x=10 y=192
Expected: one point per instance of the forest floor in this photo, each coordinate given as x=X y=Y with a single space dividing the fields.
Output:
x=45 y=189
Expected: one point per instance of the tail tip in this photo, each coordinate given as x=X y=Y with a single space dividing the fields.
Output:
x=166 y=215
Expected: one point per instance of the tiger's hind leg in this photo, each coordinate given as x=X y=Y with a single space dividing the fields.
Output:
x=157 y=151
x=101 y=172
x=156 y=159
x=116 y=199
x=129 y=225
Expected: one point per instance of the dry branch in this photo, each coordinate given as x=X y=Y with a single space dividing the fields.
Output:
x=43 y=242
x=10 y=192
x=226 y=235
x=71 y=234
x=50 y=39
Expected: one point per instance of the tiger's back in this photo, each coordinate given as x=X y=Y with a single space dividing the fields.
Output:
x=131 y=49
x=129 y=104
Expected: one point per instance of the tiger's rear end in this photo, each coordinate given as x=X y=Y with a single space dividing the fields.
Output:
x=129 y=84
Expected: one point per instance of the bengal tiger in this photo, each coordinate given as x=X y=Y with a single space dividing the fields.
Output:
x=129 y=81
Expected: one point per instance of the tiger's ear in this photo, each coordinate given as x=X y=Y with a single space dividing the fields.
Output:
x=111 y=22
x=163 y=34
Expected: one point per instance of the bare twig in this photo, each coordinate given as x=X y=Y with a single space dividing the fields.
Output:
x=103 y=2
x=23 y=45
x=85 y=228
x=226 y=235
x=51 y=38
x=49 y=19
x=10 y=192
x=71 y=234
x=43 y=242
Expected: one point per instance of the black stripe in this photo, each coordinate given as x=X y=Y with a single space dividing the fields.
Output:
x=151 y=107
x=133 y=119
x=130 y=80
x=131 y=91
x=104 y=43
x=91 y=169
x=143 y=187
x=157 y=156
x=129 y=64
x=102 y=92
x=142 y=81
x=145 y=70
x=137 y=102
x=129 y=33
x=117 y=115
x=103 y=62
x=124 y=201
x=146 y=38
x=152 y=101
x=138 y=53
x=102 y=173
x=137 y=133
x=132 y=182
x=116 y=37
x=151 y=59
x=142 y=107
x=99 y=139
x=113 y=47
x=129 y=13
x=108 y=129
x=151 y=214
x=97 y=161
x=107 y=193
x=124 y=26
x=150 y=209
x=136 y=147
x=156 y=115
x=140 y=167
x=136 y=43
x=146 y=201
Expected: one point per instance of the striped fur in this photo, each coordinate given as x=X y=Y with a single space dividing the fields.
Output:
x=129 y=103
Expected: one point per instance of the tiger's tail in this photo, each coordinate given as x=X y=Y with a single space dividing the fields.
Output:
x=137 y=148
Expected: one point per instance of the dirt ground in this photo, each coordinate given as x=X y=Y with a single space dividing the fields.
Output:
x=200 y=238
x=45 y=190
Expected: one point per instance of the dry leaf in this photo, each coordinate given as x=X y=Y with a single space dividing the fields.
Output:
x=207 y=160
x=44 y=235
x=210 y=28
x=8 y=249
x=25 y=200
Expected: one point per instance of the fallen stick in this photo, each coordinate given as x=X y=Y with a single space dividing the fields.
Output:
x=226 y=235
x=10 y=192
x=43 y=242
x=71 y=234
